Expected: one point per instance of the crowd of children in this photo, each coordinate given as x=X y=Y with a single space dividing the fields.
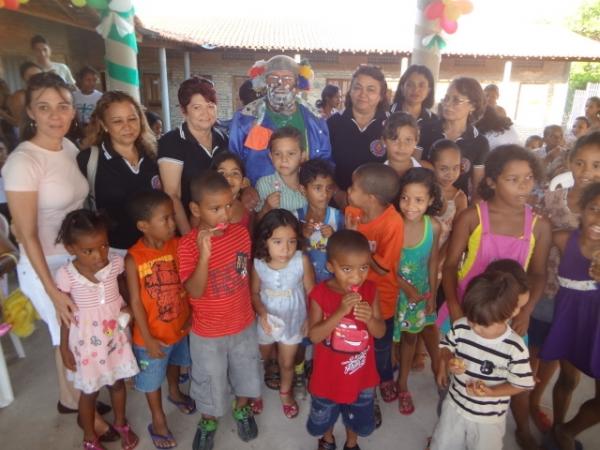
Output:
x=407 y=260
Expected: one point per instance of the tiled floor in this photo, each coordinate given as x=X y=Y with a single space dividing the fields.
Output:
x=31 y=421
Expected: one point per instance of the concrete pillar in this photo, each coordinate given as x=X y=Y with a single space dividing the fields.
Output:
x=403 y=65
x=164 y=89
x=186 y=66
x=507 y=72
x=429 y=57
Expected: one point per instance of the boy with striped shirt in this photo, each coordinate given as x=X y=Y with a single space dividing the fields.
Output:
x=489 y=363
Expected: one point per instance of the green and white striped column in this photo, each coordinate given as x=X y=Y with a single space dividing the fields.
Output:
x=120 y=43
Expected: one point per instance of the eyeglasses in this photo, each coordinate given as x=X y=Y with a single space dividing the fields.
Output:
x=285 y=80
x=455 y=101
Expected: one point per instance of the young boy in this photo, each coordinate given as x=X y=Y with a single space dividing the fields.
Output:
x=87 y=96
x=282 y=189
x=374 y=188
x=494 y=365
x=160 y=309
x=319 y=219
x=213 y=266
x=344 y=375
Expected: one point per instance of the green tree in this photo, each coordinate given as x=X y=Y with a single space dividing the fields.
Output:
x=587 y=23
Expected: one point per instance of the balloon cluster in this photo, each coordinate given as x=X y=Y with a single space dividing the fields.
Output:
x=96 y=4
x=12 y=4
x=20 y=314
x=447 y=12
x=305 y=75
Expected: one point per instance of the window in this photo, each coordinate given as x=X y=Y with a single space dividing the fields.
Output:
x=151 y=90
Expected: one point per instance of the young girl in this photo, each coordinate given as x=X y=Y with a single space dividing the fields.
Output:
x=420 y=198
x=96 y=346
x=562 y=209
x=501 y=226
x=399 y=137
x=232 y=168
x=281 y=278
x=282 y=189
x=574 y=337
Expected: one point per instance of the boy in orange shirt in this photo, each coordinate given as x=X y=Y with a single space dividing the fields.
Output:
x=160 y=309
x=371 y=196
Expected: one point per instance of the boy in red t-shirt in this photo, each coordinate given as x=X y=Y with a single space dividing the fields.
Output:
x=160 y=309
x=374 y=188
x=344 y=317
x=213 y=266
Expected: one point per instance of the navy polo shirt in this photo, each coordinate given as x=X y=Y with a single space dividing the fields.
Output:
x=179 y=146
x=473 y=145
x=352 y=147
x=116 y=182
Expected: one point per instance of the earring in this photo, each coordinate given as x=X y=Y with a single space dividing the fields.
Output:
x=33 y=124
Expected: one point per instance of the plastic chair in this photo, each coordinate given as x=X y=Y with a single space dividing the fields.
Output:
x=564 y=180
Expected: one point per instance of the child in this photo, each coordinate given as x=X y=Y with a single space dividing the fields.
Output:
x=232 y=168
x=281 y=277
x=282 y=189
x=501 y=226
x=344 y=379
x=160 y=309
x=319 y=219
x=420 y=198
x=213 y=266
x=534 y=142
x=95 y=347
x=580 y=127
x=574 y=337
x=86 y=97
x=374 y=188
x=400 y=136
x=489 y=362
x=446 y=159
x=562 y=209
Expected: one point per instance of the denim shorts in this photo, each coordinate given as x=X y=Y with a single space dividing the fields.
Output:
x=154 y=371
x=358 y=416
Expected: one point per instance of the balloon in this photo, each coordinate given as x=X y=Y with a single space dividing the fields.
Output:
x=449 y=26
x=1 y=3
x=452 y=11
x=434 y=10
x=79 y=3
x=98 y=4
x=11 y=4
x=22 y=2
x=465 y=6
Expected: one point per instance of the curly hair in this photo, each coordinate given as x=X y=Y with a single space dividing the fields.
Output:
x=145 y=143
x=497 y=161
x=421 y=175
x=313 y=168
x=81 y=222
x=421 y=70
x=377 y=74
x=268 y=224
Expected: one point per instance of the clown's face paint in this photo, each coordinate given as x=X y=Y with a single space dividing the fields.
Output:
x=281 y=90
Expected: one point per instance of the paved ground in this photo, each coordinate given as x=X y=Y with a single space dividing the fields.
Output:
x=32 y=423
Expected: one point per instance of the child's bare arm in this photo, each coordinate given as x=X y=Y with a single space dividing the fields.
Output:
x=480 y=389
x=433 y=266
x=257 y=304
x=375 y=324
x=65 y=352
x=195 y=285
x=308 y=279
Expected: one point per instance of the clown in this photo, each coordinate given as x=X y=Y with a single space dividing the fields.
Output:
x=253 y=125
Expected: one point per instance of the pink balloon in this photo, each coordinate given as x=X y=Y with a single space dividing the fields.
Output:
x=434 y=10
x=449 y=26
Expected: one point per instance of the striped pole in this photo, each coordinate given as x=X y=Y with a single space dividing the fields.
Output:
x=118 y=30
x=427 y=56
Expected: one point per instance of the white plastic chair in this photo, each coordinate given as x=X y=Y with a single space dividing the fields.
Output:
x=564 y=180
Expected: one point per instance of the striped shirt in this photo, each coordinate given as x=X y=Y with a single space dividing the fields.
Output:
x=290 y=198
x=492 y=361
x=85 y=293
x=224 y=308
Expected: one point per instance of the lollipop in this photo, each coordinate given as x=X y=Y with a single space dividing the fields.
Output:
x=221 y=226
x=354 y=288
x=277 y=185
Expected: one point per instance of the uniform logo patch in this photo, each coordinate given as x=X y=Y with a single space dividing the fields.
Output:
x=377 y=148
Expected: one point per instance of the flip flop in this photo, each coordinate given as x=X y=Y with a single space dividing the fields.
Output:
x=161 y=438
x=187 y=406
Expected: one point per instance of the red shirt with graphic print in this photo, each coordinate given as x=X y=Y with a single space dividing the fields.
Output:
x=224 y=308
x=337 y=376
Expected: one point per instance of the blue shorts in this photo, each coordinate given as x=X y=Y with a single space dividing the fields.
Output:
x=358 y=416
x=154 y=371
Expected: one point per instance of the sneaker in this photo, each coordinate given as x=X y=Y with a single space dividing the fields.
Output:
x=377 y=412
x=246 y=425
x=205 y=435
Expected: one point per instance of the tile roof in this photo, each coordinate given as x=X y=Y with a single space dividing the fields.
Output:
x=387 y=36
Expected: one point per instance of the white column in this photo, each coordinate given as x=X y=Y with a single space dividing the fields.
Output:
x=164 y=89
x=186 y=65
x=507 y=72
x=403 y=65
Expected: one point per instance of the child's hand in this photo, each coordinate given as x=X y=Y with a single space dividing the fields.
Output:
x=349 y=301
x=411 y=293
x=455 y=311
x=594 y=271
x=304 y=328
x=273 y=200
x=308 y=229
x=479 y=389
x=363 y=312
x=264 y=323
x=430 y=308
x=457 y=366
x=154 y=349
x=441 y=377
x=204 y=244
x=520 y=323
x=326 y=231
x=249 y=198
x=68 y=358
x=351 y=222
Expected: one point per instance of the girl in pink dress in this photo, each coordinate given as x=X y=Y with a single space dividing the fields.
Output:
x=95 y=347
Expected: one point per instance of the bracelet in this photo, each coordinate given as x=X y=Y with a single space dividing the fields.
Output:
x=12 y=256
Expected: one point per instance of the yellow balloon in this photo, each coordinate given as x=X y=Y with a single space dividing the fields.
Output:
x=22 y=2
x=452 y=11
x=79 y=3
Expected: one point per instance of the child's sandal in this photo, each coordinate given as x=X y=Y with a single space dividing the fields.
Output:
x=129 y=440
x=405 y=403
x=93 y=445
x=389 y=391
x=289 y=411
x=324 y=445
